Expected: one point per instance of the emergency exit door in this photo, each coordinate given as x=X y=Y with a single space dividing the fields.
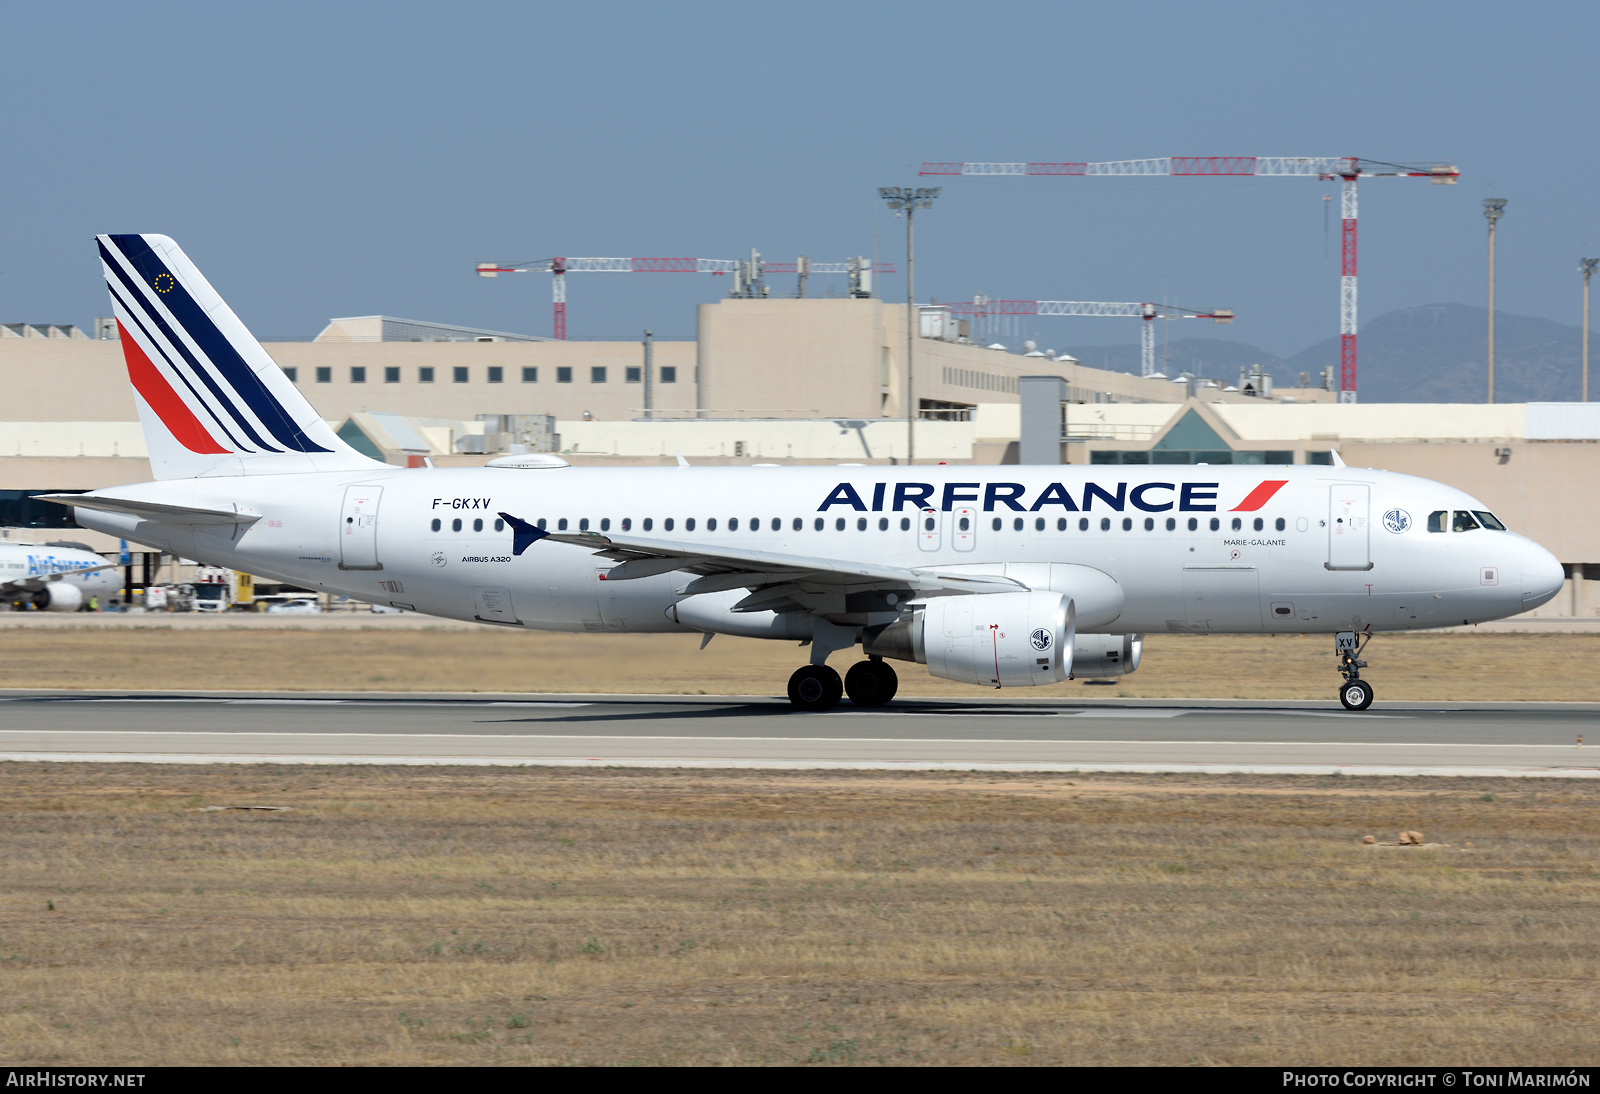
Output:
x=930 y=536
x=1349 y=529
x=358 y=528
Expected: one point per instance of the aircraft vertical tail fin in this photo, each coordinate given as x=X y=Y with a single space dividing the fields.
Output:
x=211 y=401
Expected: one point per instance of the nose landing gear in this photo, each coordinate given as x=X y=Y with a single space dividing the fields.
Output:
x=1355 y=693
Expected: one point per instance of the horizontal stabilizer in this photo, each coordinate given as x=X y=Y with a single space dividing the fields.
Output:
x=155 y=510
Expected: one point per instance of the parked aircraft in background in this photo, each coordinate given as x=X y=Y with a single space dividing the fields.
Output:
x=55 y=577
x=995 y=576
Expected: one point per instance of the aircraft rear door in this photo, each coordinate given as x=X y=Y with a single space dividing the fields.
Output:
x=358 y=528
x=1349 y=529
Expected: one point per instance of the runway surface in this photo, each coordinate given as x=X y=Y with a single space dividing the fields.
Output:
x=710 y=731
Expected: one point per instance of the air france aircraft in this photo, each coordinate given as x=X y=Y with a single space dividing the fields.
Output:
x=993 y=576
x=54 y=578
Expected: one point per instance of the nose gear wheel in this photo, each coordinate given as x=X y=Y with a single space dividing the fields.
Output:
x=1355 y=693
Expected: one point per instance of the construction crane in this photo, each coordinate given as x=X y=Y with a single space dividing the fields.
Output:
x=982 y=307
x=559 y=268
x=748 y=276
x=1348 y=169
x=858 y=269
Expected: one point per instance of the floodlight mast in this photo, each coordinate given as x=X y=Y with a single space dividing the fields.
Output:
x=1493 y=210
x=1586 y=267
x=908 y=199
x=1345 y=168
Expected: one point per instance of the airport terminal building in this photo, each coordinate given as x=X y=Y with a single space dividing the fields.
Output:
x=794 y=381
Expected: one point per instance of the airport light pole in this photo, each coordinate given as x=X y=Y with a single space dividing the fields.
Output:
x=1493 y=210
x=648 y=407
x=1586 y=267
x=909 y=199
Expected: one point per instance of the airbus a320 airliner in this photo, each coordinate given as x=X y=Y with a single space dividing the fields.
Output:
x=993 y=576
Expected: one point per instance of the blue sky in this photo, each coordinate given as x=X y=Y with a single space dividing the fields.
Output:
x=345 y=159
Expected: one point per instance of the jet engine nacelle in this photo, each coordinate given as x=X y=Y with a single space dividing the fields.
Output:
x=999 y=639
x=58 y=596
x=1105 y=654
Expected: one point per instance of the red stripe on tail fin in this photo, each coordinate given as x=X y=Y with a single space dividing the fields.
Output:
x=173 y=412
x=1260 y=496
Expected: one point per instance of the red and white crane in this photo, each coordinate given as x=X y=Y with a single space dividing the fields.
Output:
x=1348 y=169
x=559 y=268
x=982 y=306
x=747 y=275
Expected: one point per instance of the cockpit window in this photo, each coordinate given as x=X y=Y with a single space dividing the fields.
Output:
x=1439 y=520
x=1489 y=520
x=1464 y=522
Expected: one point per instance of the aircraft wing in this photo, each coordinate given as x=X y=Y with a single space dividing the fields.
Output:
x=768 y=574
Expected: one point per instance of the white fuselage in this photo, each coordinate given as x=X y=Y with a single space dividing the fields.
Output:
x=1332 y=549
x=27 y=568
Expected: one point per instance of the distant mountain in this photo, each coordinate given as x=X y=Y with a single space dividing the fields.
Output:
x=1429 y=354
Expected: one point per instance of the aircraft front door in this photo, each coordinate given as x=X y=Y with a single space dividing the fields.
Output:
x=1349 y=532
x=358 y=528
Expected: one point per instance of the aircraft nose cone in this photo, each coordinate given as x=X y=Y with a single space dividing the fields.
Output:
x=1542 y=576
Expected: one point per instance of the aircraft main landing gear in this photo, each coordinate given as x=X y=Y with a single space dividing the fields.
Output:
x=871 y=683
x=1355 y=693
x=815 y=687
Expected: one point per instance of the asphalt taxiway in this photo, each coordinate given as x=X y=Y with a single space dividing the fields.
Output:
x=1535 y=739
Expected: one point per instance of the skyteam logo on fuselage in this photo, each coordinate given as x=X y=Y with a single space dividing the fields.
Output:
x=1148 y=497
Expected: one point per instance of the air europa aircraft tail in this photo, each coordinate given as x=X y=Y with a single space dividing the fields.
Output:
x=210 y=399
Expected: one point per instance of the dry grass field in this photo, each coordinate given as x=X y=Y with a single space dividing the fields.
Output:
x=1449 y=667
x=494 y=916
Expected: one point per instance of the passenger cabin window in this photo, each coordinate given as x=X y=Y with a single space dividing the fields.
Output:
x=1438 y=519
x=1489 y=520
x=1464 y=522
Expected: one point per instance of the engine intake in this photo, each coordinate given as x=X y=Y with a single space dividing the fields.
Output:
x=999 y=639
x=58 y=596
